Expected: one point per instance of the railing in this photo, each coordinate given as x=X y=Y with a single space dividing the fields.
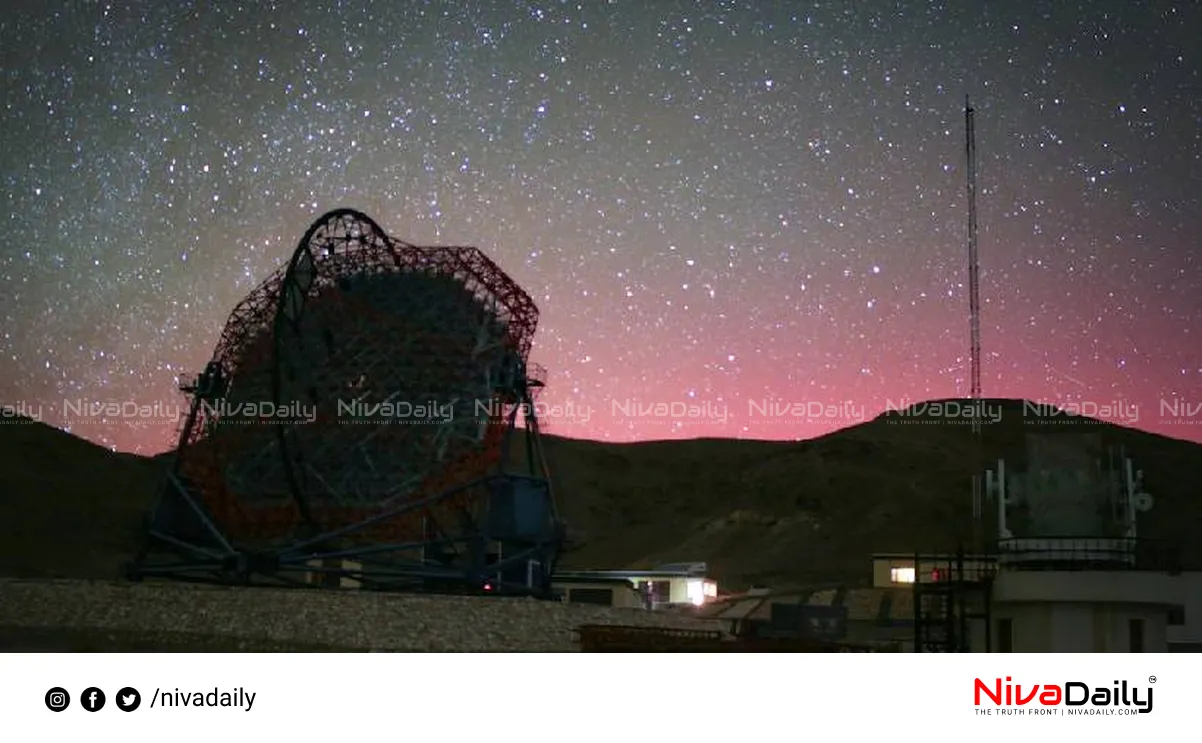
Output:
x=1087 y=553
x=977 y=569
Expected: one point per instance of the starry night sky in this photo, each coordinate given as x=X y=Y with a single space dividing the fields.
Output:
x=715 y=202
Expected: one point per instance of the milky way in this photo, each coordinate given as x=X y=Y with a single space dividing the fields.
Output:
x=714 y=203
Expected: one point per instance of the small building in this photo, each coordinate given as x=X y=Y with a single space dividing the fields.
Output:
x=677 y=584
x=1061 y=595
x=898 y=570
x=680 y=584
x=617 y=592
x=864 y=617
x=1062 y=569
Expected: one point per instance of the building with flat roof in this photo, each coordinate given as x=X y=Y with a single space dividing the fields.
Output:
x=667 y=586
x=600 y=591
x=1062 y=568
x=1089 y=596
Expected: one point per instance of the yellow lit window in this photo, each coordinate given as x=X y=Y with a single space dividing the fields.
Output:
x=698 y=591
x=901 y=575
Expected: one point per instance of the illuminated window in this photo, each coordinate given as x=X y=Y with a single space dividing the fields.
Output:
x=697 y=590
x=901 y=575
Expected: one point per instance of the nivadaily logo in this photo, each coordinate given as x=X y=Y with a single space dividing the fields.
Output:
x=1070 y=697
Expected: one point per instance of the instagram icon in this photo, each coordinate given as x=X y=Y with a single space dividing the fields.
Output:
x=57 y=699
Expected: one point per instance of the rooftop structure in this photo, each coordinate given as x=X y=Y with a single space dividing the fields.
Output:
x=1065 y=570
x=667 y=586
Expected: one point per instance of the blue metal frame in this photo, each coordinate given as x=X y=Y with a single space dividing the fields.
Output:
x=217 y=559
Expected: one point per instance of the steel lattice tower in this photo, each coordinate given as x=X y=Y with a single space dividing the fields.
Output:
x=974 y=288
x=974 y=322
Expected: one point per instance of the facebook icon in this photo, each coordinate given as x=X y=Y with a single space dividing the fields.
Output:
x=92 y=699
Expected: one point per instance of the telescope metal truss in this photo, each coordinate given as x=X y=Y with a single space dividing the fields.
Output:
x=366 y=419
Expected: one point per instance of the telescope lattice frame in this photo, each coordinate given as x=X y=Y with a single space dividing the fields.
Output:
x=367 y=419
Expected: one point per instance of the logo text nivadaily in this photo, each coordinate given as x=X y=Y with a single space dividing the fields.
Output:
x=1068 y=694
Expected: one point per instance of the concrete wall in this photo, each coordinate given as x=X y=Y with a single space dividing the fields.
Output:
x=1083 y=611
x=882 y=568
x=1189 y=633
x=624 y=594
x=1089 y=586
x=1077 y=627
x=680 y=590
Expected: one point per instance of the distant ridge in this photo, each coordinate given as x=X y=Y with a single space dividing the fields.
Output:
x=773 y=513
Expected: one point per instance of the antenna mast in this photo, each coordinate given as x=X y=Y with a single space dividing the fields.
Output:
x=974 y=288
x=974 y=321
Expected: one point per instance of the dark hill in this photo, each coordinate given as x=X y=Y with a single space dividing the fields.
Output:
x=68 y=508
x=762 y=512
x=813 y=511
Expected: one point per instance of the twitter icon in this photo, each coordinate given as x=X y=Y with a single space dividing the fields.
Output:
x=128 y=699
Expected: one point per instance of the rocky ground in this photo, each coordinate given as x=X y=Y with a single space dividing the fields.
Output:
x=70 y=615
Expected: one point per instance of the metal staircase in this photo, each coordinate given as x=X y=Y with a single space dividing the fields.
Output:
x=951 y=598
